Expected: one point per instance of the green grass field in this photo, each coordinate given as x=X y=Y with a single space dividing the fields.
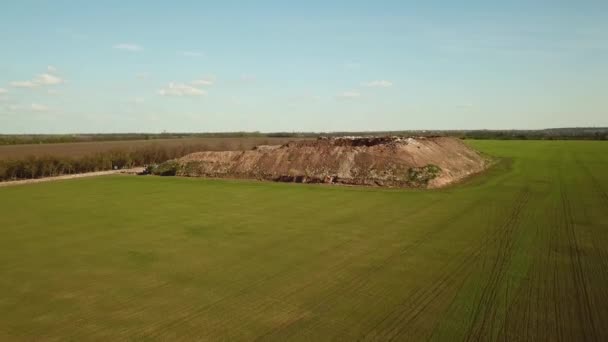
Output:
x=519 y=253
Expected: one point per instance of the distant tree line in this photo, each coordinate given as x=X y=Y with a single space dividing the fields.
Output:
x=20 y=139
x=547 y=134
x=48 y=166
x=575 y=133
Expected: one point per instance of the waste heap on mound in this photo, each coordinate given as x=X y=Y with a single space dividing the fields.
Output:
x=426 y=162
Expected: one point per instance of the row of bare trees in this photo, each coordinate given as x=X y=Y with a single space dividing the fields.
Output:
x=48 y=166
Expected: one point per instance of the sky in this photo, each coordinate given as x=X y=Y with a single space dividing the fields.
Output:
x=217 y=66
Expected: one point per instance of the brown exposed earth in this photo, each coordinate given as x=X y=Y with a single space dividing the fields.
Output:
x=422 y=162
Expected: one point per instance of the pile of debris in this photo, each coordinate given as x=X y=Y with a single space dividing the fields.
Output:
x=422 y=162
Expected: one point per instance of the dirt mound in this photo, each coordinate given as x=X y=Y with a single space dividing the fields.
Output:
x=382 y=161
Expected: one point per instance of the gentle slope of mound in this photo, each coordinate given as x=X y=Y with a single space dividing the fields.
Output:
x=381 y=161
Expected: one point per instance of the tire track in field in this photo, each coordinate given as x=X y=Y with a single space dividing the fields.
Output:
x=526 y=317
x=127 y=303
x=583 y=301
x=566 y=304
x=552 y=281
x=358 y=280
x=485 y=314
x=402 y=318
x=400 y=321
x=516 y=322
x=598 y=247
x=356 y=284
x=424 y=297
x=555 y=308
x=260 y=283
x=597 y=185
x=235 y=269
x=337 y=292
x=407 y=317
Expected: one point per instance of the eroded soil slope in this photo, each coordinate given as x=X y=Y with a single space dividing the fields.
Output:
x=381 y=161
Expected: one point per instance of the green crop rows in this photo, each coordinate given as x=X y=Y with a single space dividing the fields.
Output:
x=519 y=253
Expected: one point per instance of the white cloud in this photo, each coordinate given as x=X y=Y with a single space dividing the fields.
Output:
x=51 y=69
x=202 y=82
x=180 y=89
x=23 y=84
x=138 y=100
x=3 y=91
x=191 y=53
x=378 y=84
x=128 y=47
x=34 y=107
x=48 y=79
x=38 y=107
x=349 y=95
x=41 y=80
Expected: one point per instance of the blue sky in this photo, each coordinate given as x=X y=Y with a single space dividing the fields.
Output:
x=148 y=66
